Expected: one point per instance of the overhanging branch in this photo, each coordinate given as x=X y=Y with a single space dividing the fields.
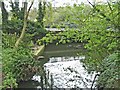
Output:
x=98 y=10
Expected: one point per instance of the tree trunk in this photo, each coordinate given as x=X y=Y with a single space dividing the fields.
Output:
x=24 y=25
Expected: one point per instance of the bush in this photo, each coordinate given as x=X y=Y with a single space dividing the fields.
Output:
x=110 y=71
x=17 y=65
x=8 y=40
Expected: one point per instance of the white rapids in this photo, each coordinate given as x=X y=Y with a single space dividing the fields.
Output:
x=67 y=73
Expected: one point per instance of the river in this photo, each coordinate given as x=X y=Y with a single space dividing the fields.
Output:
x=63 y=68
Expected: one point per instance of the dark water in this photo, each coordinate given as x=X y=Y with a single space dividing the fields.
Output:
x=59 y=52
x=62 y=50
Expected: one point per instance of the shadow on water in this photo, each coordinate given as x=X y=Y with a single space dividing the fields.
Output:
x=62 y=68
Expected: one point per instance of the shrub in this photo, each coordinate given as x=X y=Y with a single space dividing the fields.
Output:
x=110 y=71
x=17 y=65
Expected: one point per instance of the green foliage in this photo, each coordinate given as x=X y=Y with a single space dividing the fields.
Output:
x=61 y=37
x=98 y=30
x=0 y=57
x=48 y=19
x=8 y=40
x=17 y=65
x=4 y=14
x=101 y=41
x=66 y=15
x=41 y=13
x=15 y=8
x=110 y=71
x=14 y=26
x=16 y=11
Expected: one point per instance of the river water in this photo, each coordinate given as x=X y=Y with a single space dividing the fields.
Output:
x=63 y=68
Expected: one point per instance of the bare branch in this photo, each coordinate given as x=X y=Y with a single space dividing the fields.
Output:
x=29 y=9
x=110 y=6
x=91 y=4
x=98 y=10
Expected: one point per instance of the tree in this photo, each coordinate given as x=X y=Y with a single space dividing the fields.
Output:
x=33 y=14
x=41 y=13
x=49 y=14
x=4 y=14
x=17 y=12
x=15 y=9
x=26 y=13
